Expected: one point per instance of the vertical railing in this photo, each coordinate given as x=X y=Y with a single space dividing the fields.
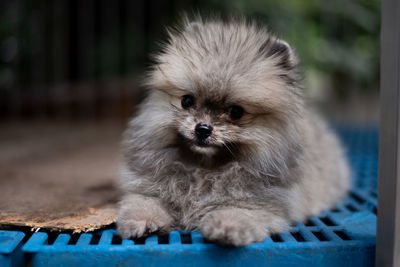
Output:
x=388 y=226
x=68 y=50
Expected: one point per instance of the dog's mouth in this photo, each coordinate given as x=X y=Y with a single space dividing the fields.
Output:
x=199 y=145
x=203 y=147
x=195 y=142
x=202 y=143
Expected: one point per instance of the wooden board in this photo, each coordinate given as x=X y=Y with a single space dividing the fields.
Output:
x=60 y=176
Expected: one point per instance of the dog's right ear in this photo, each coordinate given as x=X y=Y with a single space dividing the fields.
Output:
x=281 y=49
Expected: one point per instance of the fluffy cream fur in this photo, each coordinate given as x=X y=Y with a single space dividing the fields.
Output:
x=277 y=164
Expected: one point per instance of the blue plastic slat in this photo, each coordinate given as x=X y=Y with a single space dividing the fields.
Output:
x=10 y=248
x=330 y=235
x=62 y=240
x=84 y=240
x=106 y=237
x=152 y=240
x=197 y=238
x=9 y=240
x=35 y=243
x=268 y=240
x=287 y=237
x=174 y=238
x=307 y=235
x=126 y=242
x=316 y=221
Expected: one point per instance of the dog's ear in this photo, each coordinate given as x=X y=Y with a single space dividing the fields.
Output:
x=285 y=54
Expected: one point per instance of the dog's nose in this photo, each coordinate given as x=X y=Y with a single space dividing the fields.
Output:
x=203 y=130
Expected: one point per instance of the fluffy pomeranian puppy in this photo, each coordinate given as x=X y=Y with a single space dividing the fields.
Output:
x=224 y=143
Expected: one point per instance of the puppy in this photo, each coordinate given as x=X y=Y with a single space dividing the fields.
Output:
x=224 y=143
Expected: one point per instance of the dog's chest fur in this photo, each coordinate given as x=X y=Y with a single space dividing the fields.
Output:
x=189 y=193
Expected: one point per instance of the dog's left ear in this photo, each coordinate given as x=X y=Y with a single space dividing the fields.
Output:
x=285 y=54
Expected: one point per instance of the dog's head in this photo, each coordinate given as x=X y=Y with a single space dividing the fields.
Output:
x=229 y=85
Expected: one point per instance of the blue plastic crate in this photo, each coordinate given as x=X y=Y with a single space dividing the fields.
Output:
x=342 y=236
x=10 y=248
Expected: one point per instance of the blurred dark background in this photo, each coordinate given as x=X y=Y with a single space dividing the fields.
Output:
x=84 y=59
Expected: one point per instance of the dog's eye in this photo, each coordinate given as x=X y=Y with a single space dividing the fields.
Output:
x=235 y=112
x=188 y=101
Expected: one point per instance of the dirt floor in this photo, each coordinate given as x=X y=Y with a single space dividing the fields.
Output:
x=59 y=175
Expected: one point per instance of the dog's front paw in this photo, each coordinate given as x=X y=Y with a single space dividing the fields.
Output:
x=141 y=216
x=135 y=228
x=235 y=227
